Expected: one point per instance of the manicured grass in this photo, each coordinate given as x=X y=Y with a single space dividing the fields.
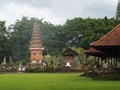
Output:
x=54 y=81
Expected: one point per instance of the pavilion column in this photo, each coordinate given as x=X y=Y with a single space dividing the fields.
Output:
x=105 y=60
x=114 y=61
x=117 y=62
x=95 y=59
x=110 y=60
x=101 y=61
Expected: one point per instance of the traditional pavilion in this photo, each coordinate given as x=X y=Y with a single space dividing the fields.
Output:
x=69 y=57
x=107 y=49
x=36 y=45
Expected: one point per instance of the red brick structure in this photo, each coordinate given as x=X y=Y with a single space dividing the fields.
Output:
x=36 y=45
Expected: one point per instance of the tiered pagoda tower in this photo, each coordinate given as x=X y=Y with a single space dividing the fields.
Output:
x=36 y=45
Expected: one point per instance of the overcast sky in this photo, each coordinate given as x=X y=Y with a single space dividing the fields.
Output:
x=56 y=11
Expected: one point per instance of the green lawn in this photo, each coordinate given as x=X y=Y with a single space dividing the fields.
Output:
x=54 y=81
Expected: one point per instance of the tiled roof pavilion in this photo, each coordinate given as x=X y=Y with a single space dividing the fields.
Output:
x=107 y=51
x=109 y=43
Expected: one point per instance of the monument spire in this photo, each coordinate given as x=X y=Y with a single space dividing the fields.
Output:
x=36 y=45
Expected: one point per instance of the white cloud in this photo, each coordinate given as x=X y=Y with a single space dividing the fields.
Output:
x=56 y=11
x=14 y=11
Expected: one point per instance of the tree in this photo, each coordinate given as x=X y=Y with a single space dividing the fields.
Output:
x=52 y=37
x=4 y=48
x=20 y=39
x=81 y=32
x=118 y=11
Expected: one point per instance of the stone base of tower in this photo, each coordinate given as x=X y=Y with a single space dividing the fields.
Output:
x=36 y=62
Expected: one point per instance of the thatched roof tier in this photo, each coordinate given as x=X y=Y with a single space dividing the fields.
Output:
x=94 y=52
x=113 y=51
x=69 y=52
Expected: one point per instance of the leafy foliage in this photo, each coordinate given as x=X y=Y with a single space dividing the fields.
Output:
x=4 y=47
x=118 y=11
x=81 y=32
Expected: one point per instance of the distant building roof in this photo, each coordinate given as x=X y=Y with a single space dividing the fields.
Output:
x=69 y=52
x=112 y=38
x=94 y=52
